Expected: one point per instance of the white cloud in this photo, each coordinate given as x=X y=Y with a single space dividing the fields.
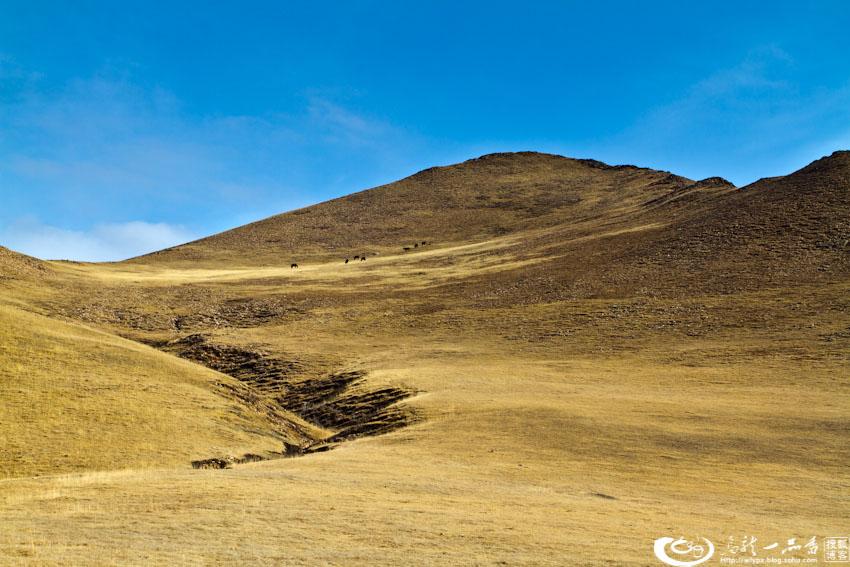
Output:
x=97 y=148
x=105 y=148
x=102 y=243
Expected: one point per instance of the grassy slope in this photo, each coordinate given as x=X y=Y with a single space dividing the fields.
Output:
x=80 y=399
x=528 y=457
x=676 y=367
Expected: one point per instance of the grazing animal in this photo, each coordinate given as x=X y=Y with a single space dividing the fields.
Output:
x=357 y=257
x=416 y=246
x=362 y=258
x=406 y=248
x=424 y=243
x=293 y=266
x=346 y=260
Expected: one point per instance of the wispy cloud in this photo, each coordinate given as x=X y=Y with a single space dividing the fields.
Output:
x=102 y=243
x=727 y=99
x=114 y=142
x=339 y=125
x=758 y=71
x=755 y=114
x=106 y=143
x=107 y=149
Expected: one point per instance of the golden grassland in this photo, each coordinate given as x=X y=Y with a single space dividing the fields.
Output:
x=580 y=392
x=79 y=399
x=536 y=449
x=576 y=468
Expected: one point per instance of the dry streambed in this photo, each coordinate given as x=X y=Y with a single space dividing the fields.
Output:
x=341 y=403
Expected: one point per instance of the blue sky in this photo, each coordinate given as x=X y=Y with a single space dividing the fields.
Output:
x=127 y=127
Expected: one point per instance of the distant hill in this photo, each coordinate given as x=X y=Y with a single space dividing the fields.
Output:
x=790 y=228
x=583 y=222
x=490 y=196
x=14 y=265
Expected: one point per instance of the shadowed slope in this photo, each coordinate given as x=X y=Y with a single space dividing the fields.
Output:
x=702 y=237
x=810 y=206
x=776 y=231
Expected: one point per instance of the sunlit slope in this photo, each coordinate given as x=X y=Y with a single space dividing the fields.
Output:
x=586 y=383
x=489 y=196
x=73 y=398
x=22 y=276
x=15 y=266
x=528 y=458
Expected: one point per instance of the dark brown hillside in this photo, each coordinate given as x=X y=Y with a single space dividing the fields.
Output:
x=489 y=196
x=776 y=230
x=586 y=228
x=707 y=237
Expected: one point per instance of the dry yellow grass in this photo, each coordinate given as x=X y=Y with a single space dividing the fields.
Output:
x=515 y=466
x=584 y=389
x=78 y=399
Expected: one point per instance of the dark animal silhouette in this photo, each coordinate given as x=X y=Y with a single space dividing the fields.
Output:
x=346 y=260
x=416 y=246
x=357 y=257
x=406 y=248
x=362 y=258
x=424 y=243
x=293 y=266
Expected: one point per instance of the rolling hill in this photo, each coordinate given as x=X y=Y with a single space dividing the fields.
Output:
x=583 y=358
x=489 y=196
x=629 y=222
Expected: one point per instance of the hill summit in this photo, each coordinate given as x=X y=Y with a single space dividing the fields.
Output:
x=481 y=198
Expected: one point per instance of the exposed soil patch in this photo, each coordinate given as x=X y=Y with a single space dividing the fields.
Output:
x=210 y=464
x=340 y=402
x=228 y=462
x=264 y=374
